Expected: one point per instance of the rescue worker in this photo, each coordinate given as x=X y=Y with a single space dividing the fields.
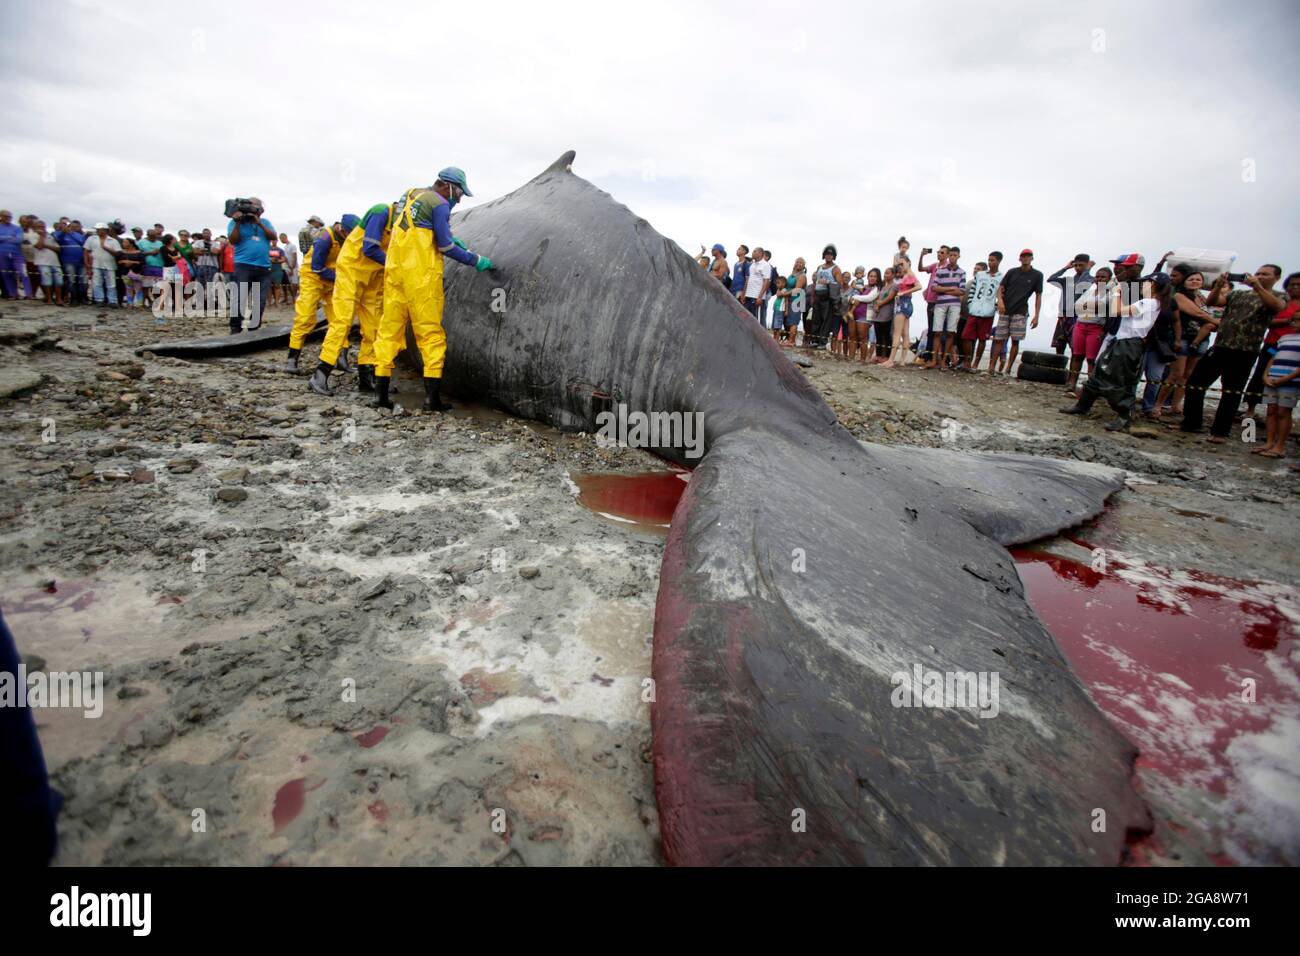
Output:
x=413 y=283
x=359 y=291
x=316 y=288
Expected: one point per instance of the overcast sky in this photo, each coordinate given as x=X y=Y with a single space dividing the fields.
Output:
x=1100 y=127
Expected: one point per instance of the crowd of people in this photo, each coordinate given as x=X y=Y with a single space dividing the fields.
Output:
x=1168 y=330
x=111 y=266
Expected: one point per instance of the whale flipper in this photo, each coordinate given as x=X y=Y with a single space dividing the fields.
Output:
x=794 y=586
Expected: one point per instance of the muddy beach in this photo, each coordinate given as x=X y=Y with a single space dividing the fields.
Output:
x=339 y=636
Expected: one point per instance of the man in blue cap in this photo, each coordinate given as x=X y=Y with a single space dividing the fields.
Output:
x=413 y=282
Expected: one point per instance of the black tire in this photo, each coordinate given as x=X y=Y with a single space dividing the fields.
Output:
x=1037 y=373
x=1043 y=359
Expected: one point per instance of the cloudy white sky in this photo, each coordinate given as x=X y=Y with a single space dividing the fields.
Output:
x=1100 y=127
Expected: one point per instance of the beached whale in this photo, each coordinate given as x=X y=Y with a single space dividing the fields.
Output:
x=818 y=598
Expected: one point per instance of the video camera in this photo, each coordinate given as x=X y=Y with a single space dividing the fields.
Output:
x=238 y=208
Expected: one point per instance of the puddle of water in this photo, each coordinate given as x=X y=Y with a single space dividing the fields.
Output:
x=641 y=500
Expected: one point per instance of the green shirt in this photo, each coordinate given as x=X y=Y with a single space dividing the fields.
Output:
x=1245 y=320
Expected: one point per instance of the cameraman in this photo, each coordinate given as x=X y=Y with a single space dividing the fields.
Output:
x=250 y=235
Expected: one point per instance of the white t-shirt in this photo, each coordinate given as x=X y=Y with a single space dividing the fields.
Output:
x=1137 y=325
x=101 y=256
x=758 y=271
x=44 y=257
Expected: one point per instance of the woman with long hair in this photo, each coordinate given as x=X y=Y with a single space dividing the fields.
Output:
x=907 y=286
x=1190 y=302
x=864 y=313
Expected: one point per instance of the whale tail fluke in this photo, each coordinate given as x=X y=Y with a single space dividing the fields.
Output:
x=790 y=626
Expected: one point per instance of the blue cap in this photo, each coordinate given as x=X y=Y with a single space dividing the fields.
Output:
x=349 y=222
x=719 y=247
x=456 y=176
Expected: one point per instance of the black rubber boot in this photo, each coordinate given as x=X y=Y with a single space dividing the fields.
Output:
x=1118 y=424
x=291 y=364
x=381 y=393
x=432 y=399
x=341 y=364
x=365 y=378
x=1073 y=410
x=320 y=380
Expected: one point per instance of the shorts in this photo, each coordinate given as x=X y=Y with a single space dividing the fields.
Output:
x=945 y=317
x=1085 y=339
x=1013 y=325
x=1185 y=348
x=978 y=328
x=1281 y=397
x=51 y=276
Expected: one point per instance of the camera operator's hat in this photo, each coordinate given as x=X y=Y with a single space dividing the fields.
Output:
x=316 y=219
x=101 y=225
x=456 y=176
x=1130 y=259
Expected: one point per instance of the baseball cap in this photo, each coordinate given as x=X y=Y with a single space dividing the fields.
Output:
x=316 y=219
x=719 y=247
x=1161 y=279
x=1026 y=252
x=456 y=176
x=1130 y=259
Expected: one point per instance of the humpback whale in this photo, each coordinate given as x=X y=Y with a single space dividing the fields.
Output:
x=784 y=633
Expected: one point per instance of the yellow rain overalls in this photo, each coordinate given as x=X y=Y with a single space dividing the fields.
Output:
x=359 y=292
x=412 y=291
x=313 y=291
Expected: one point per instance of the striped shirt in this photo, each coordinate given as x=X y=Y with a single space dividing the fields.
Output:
x=1285 y=362
x=948 y=276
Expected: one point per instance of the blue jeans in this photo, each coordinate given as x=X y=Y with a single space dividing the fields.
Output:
x=104 y=286
x=74 y=277
x=1153 y=370
x=256 y=281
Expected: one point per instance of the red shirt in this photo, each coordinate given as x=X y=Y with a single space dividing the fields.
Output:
x=1281 y=323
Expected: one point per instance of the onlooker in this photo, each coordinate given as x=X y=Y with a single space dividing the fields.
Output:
x=1071 y=288
x=308 y=233
x=883 y=323
x=250 y=234
x=1160 y=349
x=1282 y=383
x=740 y=271
x=719 y=269
x=982 y=304
x=206 y=264
x=901 y=254
x=101 y=259
x=757 y=280
x=1013 y=305
x=949 y=283
x=1279 y=326
x=1246 y=315
x=797 y=306
x=130 y=267
x=929 y=296
x=907 y=286
x=46 y=258
x=1189 y=299
x=276 y=278
x=1120 y=364
x=72 y=242
x=826 y=299
x=13 y=266
x=863 y=314
x=290 y=265
x=1090 y=314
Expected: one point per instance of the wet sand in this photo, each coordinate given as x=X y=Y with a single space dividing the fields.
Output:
x=353 y=638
